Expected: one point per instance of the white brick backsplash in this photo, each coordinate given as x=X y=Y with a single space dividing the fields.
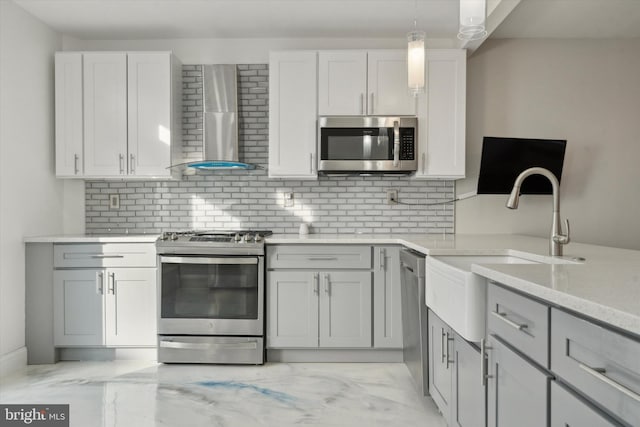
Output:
x=241 y=199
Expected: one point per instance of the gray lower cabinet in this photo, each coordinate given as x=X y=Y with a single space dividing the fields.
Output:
x=439 y=373
x=387 y=304
x=602 y=364
x=569 y=410
x=329 y=309
x=596 y=370
x=333 y=296
x=104 y=295
x=469 y=394
x=454 y=376
x=517 y=390
x=113 y=307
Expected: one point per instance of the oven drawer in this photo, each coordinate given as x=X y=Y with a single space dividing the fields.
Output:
x=210 y=349
x=319 y=256
x=88 y=255
x=520 y=321
x=602 y=364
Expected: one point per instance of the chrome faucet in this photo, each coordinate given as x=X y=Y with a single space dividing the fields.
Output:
x=557 y=239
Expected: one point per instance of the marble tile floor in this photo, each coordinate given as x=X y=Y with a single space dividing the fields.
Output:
x=139 y=394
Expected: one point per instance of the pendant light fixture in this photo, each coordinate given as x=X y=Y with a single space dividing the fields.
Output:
x=472 y=17
x=415 y=58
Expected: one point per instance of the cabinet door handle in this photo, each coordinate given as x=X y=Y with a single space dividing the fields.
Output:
x=484 y=362
x=442 y=345
x=121 y=164
x=76 y=159
x=132 y=163
x=383 y=260
x=316 y=283
x=311 y=168
x=424 y=162
x=112 y=283
x=100 y=283
x=503 y=317
x=327 y=285
x=322 y=258
x=448 y=358
x=599 y=373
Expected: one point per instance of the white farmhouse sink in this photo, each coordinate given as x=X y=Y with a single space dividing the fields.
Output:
x=458 y=296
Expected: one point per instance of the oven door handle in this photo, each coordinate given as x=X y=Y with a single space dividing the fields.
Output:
x=251 y=345
x=208 y=260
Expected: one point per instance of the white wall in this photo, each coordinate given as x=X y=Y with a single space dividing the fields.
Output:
x=31 y=199
x=585 y=91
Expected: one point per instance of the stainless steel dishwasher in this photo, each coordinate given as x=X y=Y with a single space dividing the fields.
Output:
x=414 y=318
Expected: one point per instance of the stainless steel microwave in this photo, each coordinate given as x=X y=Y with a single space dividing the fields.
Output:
x=367 y=145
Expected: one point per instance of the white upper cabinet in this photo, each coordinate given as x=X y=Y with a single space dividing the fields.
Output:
x=117 y=114
x=442 y=116
x=149 y=95
x=360 y=82
x=342 y=83
x=292 y=114
x=105 y=113
x=68 y=87
x=388 y=87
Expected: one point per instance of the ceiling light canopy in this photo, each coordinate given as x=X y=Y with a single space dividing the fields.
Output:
x=472 y=20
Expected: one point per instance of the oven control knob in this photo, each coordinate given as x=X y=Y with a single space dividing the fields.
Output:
x=258 y=238
x=237 y=237
x=174 y=236
x=248 y=238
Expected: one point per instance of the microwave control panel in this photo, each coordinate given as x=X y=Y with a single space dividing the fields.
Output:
x=407 y=144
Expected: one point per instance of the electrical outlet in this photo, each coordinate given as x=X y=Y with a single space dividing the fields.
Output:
x=392 y=197
x=288 y=200
x=114 y=201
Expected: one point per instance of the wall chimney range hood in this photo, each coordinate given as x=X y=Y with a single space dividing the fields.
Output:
x=219 y=120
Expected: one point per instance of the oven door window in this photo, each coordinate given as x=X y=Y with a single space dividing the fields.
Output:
x=356 y=143
x=210 y=288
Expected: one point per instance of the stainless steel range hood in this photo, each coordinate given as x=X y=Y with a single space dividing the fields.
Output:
x=220 y=119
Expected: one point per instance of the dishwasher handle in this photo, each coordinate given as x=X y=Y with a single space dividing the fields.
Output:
x=413 y=262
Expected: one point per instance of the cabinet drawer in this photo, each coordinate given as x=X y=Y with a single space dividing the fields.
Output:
x=87 y=255
x=319 y=256
x=601 y=363
x=569 y=410
x=520 y=321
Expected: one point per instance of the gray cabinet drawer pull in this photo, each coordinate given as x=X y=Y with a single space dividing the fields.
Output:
x=503 y=317
x=322 y=258
x=600 y=374
x=107 y=256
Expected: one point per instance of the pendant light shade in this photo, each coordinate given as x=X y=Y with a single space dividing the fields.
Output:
x=472 y=20
x=415 y=62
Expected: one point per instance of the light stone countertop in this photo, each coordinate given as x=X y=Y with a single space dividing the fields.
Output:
x=605 y=286
x=88 y=238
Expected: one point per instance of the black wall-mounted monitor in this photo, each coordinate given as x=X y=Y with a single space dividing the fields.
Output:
x=503 y=159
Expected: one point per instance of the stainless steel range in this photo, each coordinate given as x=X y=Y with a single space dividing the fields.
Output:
x=211 y=297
